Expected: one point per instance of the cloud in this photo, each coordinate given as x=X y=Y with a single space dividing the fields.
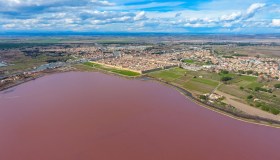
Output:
x=151 y=5
x=140 y=16
x=178 y=14
x=239 y=16
x=251 y=11
x=144 y=15
x=43 y=6
x=275 y=23
x=231 y=17
x=8 y=26
x=237 y=19
x=102 y=3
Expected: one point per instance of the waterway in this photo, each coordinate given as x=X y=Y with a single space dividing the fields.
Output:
x=86 y=116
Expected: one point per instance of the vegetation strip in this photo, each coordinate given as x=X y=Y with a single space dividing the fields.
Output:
x=114 y=70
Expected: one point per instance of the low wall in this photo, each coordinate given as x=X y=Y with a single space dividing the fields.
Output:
x=141 y=72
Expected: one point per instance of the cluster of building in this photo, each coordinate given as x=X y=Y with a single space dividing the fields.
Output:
x=259 y=66
x=144 y=58
x=90 y=52
x=212 y=97
x=138 y=64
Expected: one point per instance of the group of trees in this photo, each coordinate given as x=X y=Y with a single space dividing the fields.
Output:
x=263 y=89
x=264 y=106
x=226 y=78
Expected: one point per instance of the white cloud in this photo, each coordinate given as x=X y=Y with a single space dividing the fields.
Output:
x=236 y=19
x=102 y=3
x=140 y=16
x=116 y=15
x=276 y=22
x=178 y=14
x=254 y=7
x=7 y=26
x=231 y=17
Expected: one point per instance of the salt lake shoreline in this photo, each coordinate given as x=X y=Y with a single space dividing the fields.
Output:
x=241 y=117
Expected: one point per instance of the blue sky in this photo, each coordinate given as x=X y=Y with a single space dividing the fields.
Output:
x=188 y=16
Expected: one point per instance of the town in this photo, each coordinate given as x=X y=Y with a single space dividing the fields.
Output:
x=143 y=58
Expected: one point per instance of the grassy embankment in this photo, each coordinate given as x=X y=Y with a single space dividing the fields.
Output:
x=113 y=70
x=241 y=86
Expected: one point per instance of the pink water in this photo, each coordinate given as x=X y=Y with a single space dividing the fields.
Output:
x=92 y=116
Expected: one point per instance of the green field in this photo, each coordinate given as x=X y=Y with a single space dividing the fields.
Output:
x=187 y=79
x=21 y=62
x=200 y=85
x=206 y=81
x=201 y=82
x=188 y=61
x=169 y=75
x=111 y=69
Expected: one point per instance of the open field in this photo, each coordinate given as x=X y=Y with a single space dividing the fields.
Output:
x=114 y=70
x=241 y=86
x=187 y=79
x=17 y=61
x=169 y=75
x=263 y=51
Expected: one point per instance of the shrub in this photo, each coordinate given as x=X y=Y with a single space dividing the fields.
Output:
x=225 y=79
x=203 y=97
x=263 y=89
x=265 y=108
x=224 y=72
x=250 y=97
x=274 y=111
x=257 y=88
x=258 y=105
x=277 y=85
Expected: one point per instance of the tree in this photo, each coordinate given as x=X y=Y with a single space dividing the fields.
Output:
x=203 y=97
x=257 y=89
x=225 y=79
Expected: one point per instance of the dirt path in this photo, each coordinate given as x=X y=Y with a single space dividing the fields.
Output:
x=247 y=108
